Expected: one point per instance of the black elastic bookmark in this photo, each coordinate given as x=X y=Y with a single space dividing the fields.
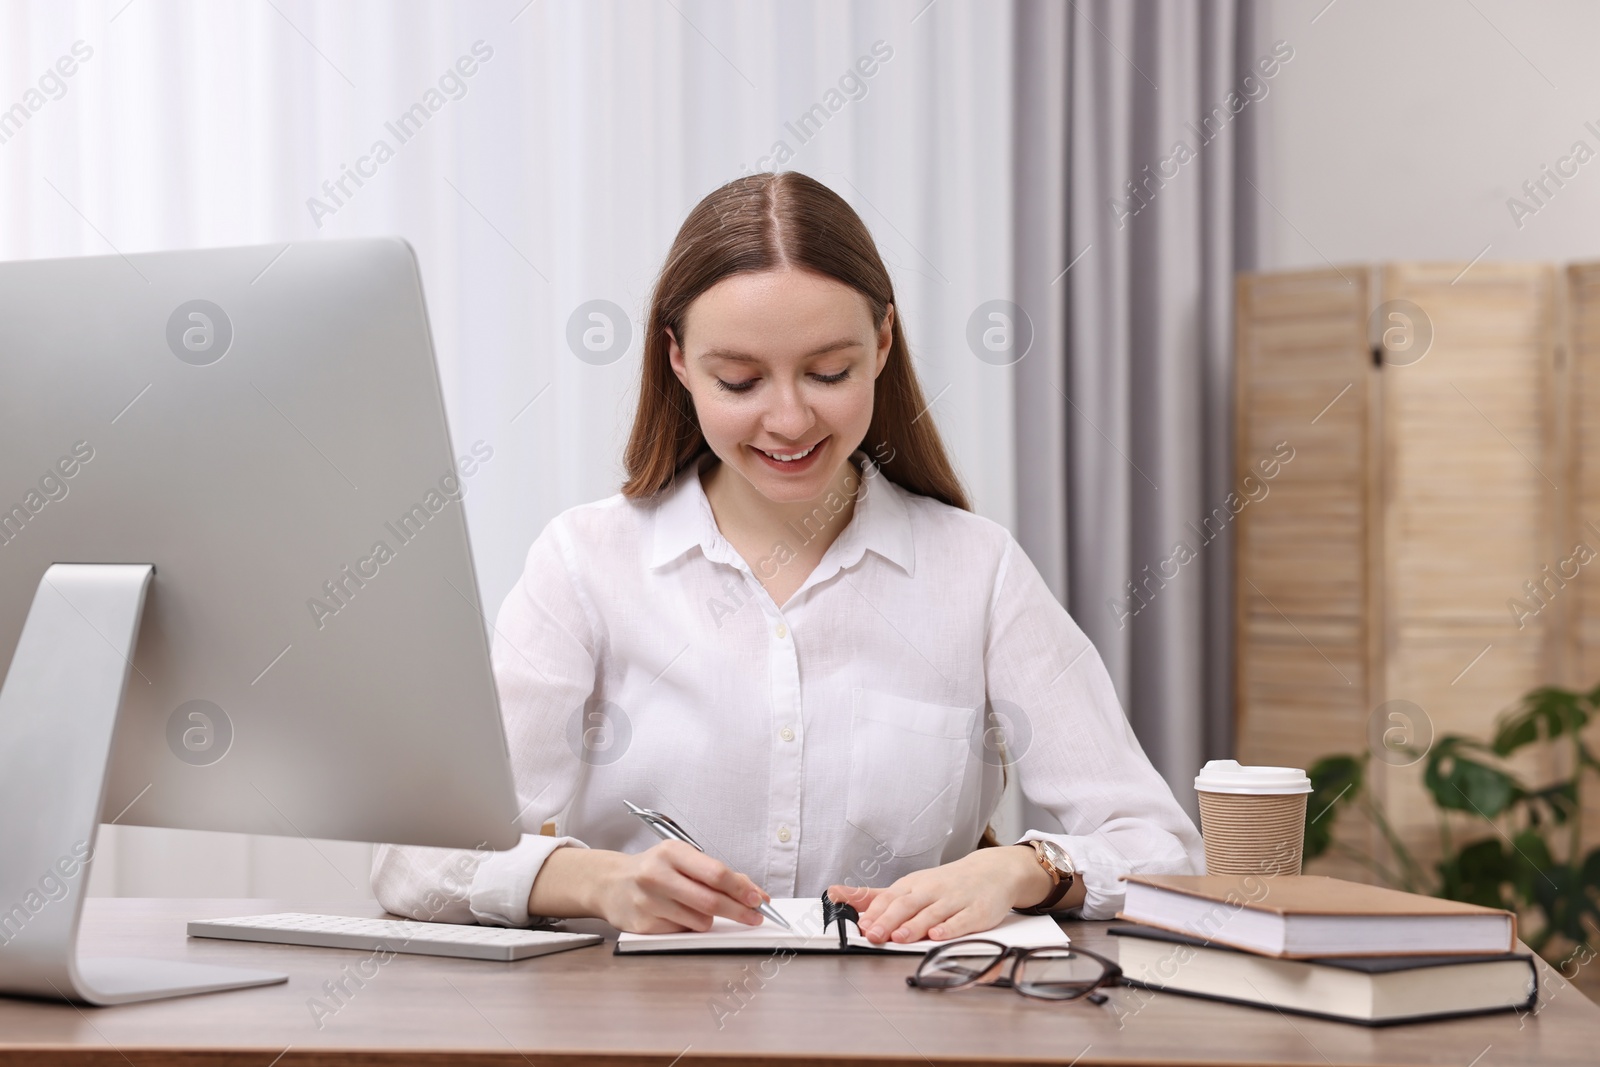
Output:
x=842 y=912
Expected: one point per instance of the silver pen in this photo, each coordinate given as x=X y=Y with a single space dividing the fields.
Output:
x=668 y=830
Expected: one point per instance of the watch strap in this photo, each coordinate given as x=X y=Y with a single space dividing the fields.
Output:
x=1064 y=883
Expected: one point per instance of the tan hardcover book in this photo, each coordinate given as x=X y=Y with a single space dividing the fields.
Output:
x=1307 y=915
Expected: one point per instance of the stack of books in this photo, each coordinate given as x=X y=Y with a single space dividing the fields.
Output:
x=1324 y=947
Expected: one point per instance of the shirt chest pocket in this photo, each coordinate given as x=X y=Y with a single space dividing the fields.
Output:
x=908 y=761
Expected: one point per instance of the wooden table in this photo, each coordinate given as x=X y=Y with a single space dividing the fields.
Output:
x=588 y=1006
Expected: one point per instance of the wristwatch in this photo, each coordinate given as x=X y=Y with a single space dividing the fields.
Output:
x=1058 y=865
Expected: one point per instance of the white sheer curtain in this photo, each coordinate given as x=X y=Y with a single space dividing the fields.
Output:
x=553 y=174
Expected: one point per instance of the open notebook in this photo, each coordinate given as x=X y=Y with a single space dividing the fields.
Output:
x=805 y=915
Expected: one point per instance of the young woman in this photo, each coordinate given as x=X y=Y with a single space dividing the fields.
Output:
x=790 y=633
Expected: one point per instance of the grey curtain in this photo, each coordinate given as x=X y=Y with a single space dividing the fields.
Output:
x=1136 y=206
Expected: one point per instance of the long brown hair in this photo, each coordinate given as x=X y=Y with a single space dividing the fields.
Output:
x=766 y=222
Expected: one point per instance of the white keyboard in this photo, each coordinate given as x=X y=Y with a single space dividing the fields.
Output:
x=396 y=935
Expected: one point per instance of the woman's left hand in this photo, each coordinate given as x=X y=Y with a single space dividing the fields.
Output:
x=956 y=899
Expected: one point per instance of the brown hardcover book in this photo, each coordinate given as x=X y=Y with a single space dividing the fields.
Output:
x=1305 y=916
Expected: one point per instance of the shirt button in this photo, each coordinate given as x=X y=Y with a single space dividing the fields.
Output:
x=783 y=833
x=786 y=733
x=783 y=631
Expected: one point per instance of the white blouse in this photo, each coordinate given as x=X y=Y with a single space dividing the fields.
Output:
x=852 y=735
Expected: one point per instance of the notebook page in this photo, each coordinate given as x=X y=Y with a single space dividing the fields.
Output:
x=805 y=915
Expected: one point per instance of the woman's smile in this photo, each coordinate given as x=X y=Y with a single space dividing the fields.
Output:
x=795 y=460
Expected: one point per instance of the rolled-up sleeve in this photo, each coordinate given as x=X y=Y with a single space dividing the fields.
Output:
x=1075 y=753
x=543 y=654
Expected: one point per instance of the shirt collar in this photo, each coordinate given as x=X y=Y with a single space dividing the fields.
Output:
x=881 y=523
x=683 y=516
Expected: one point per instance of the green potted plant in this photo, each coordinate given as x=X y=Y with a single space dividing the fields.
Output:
x=1513 y=862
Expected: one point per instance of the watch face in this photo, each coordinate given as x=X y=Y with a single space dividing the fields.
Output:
x=1056 y=855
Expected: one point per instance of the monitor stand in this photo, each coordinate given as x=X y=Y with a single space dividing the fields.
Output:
x=58 y=709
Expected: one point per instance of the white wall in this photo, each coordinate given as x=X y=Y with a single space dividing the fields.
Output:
x=1399 y=130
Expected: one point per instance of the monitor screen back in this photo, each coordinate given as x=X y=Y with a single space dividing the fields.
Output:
x=265 y=426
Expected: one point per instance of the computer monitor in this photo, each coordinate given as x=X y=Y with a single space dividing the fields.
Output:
x=240 y=458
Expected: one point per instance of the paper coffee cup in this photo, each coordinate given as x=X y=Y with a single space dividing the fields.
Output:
x=1253 y=819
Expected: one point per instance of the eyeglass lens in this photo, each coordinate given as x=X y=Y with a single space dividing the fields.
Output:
x=1055 y=973
x=1058 y=973
x=956 y=964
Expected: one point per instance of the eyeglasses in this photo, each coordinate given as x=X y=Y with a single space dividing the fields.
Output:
x=1048 y=972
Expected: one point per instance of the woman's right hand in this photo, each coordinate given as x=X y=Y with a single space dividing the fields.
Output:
x=672 y=887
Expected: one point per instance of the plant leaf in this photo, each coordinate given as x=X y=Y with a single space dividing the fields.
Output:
x=1561 y=798
x=1547 y=712
x=1335 y=782
x=1561 y=897
x=1591 y=870
x=1477 y=874
x=1459 y=783
x=1530 y=858
x=1586 y=757
x=1332 y=774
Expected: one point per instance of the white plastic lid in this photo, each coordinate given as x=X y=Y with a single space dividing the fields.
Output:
x=1227 y=776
